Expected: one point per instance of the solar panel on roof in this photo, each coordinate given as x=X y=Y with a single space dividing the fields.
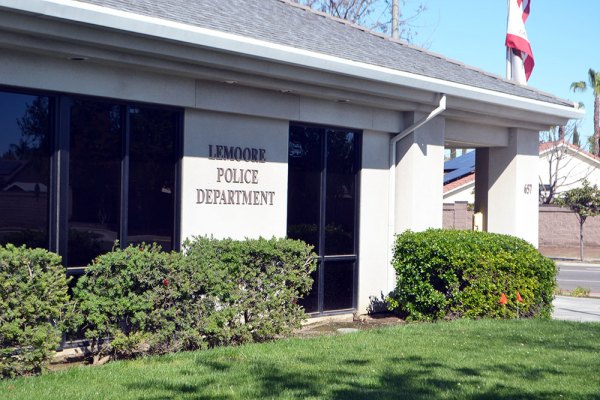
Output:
x=459 y=167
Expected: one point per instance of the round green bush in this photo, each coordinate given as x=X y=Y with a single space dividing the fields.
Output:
x=447 y=274
x=33 y=297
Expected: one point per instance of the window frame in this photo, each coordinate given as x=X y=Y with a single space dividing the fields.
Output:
x=323 y=259
x=58 y=184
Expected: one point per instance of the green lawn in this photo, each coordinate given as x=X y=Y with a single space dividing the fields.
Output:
x=458 y=360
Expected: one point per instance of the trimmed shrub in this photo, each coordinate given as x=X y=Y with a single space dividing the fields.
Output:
x=253 y=286
x=33 y=297
x=216 y=292
x=131 y=296
x=447 y=274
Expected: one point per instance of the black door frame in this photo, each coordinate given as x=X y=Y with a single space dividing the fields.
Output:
x=323 y=259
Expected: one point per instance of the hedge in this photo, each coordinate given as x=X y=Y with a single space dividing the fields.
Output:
x=254 y=286
x=443 y=274
x=215 y=292
x=33 y=297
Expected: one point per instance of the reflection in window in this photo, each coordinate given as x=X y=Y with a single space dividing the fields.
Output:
x=338 y=285
x=151 y=176
x=24 y=169
x=94 y=179
x=322 y=195
x=304 y=190
x=116 y=174
x=340 y=193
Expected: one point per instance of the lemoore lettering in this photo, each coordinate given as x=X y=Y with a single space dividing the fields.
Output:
x=234 y=153
x=227 y=175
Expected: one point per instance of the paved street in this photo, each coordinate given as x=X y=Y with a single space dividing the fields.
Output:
x=571 y=275
x=574 y=274
x=576 y=309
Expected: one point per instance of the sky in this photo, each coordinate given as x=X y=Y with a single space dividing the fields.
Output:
x=564 y=37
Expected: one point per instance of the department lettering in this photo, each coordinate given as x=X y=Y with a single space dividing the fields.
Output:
x=235 y=197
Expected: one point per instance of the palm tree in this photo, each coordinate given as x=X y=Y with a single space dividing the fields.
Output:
x=594 y=83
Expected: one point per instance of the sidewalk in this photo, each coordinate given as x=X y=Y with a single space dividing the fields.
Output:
x=576 y=309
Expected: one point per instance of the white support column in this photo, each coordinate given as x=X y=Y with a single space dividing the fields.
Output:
x=419 y=176
x=507 y=186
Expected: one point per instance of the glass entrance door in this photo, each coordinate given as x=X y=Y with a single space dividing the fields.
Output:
x=323 y=170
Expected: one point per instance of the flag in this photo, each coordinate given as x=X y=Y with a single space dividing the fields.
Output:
x=519 y=298
x=516 y=36
x=503 y=299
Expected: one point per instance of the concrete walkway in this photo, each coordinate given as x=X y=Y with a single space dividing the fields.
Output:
x=576 y=309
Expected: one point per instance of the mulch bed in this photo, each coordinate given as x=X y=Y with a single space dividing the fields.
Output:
x=346 y=324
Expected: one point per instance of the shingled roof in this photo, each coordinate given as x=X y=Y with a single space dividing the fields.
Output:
x=285 y=23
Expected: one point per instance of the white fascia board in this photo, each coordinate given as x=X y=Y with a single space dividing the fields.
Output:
x=464 y=186
x=575 y=151
x=589 y=158
x=221 y=41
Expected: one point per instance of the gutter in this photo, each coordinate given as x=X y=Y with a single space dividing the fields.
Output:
x=392 y=175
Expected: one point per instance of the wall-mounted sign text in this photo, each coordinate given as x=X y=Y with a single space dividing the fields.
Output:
x=225 y=175
x=233 y=153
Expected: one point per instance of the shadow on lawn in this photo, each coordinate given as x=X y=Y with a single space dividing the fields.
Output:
x=365 y=375
x=548 y=336
x=419 y=379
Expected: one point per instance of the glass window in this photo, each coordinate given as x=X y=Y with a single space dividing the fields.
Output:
x=310 y=301
x=94 y=179
x=24 y=169
x=112 y=167
x=338 y=285
x=340 y=193
x=304 y=170
x=322 y=195
x=151 y=176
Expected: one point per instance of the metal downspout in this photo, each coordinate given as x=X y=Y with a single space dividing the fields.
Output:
x=392 y=184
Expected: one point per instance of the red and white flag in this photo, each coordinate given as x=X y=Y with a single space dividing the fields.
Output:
x=516 y=36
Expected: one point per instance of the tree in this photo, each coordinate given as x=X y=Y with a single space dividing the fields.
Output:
x=585 y=202
x=594 y=84
x=576 y=139
x=373 y=14
x=562 y=171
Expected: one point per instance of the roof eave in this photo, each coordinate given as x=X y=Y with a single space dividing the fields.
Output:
x=221 y=41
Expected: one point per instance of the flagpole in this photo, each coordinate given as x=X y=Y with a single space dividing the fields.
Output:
x=508 y=64
x=395 y=19
x=508 y=49
x=508 y=55
x=519 y=57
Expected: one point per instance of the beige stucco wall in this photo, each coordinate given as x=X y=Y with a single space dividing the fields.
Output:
x=559 y=227
x=571 y=169
x=202 y=176
x=458 y=216
x=375 y=274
